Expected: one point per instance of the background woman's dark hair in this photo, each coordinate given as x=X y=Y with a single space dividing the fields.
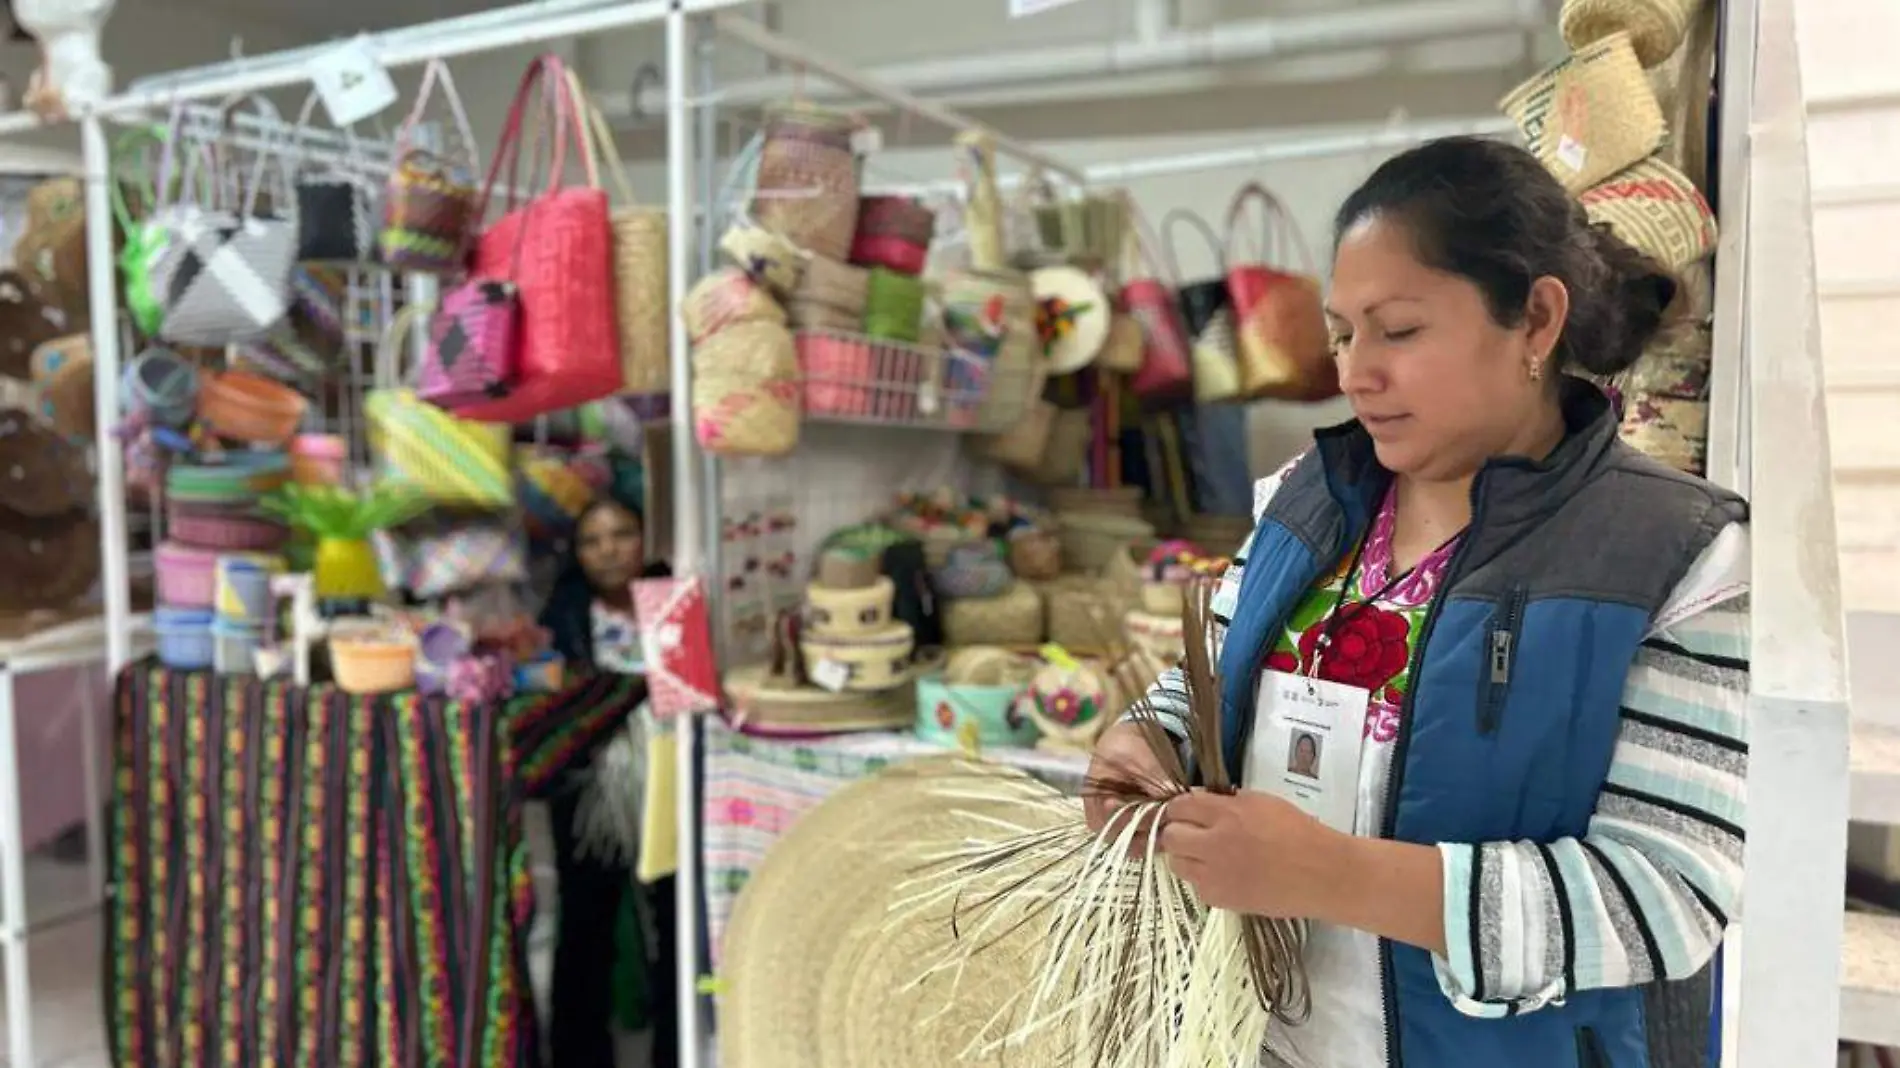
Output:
x=568 y=614
x=1490 y=213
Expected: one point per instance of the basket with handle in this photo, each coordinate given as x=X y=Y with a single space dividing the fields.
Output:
x=450 y=461
x=640 y=262
x=1206 y=314
x=1165 y=378
x=557 y=249
x=430 y=207
x=1279 y=325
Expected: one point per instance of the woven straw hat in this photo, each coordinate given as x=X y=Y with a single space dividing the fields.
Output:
x=815 y=973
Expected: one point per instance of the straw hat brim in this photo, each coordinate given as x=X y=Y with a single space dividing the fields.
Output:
x=1076 y=349
x=816 y=975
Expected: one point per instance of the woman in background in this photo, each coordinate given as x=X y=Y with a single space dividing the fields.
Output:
x=591 y=617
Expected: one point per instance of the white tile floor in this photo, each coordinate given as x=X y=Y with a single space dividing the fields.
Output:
x=65 y=964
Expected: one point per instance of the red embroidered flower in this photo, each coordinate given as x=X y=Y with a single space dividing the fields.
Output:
x=1283 y=662
x=1368 y=647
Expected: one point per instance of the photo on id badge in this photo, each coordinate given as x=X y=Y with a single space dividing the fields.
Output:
x=1307 y=752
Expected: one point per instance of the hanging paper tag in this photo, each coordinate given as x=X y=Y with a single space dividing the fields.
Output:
x=830 y=675
x=927 y=399
x=1022 y=9
x=866 y=139
x=351 y=83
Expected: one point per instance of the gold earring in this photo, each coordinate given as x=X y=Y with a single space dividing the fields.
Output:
x=1537 y=370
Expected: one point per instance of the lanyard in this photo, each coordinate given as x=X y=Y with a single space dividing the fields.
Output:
x=1343 y=613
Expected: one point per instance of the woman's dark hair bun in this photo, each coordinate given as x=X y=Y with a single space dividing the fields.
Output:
x=1609 y=336
x=1490 y=213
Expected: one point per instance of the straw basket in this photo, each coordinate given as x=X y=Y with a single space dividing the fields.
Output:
x=745 y=391
x=726 y=297
x=767 y=704
x=1117 y=500
x=1591 y=115
x=1670 y=430
x=1162 y=637
x=1675 y=365
x=874 y=660
x=808 y=180
x=1013 y=618
x=831 y=296
x=1084 y=614
x=1656 y=27
x=1655 y=207
x=1090 y=541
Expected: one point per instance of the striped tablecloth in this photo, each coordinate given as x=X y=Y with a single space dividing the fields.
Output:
x=756 y=788
x=305 y=877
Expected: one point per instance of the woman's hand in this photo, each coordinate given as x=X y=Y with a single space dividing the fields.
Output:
x=1254 y=853
x=1120 y=753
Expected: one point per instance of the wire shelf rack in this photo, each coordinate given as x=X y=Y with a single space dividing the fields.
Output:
x=852 y=379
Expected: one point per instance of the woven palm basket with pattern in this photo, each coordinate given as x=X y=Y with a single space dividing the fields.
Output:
x=816 y=973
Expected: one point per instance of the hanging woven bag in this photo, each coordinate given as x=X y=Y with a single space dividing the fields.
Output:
x=1165 y=378
x=1279 y=325
x=448 y=460
x=640 y=255
x=1206 y=314
x=340 y=206
x=1590 y=115
x=430 y=208
x=222 y=276
x=557 y=249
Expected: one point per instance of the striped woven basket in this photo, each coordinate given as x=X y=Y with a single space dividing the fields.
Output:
x=807 y=187
x=1656 y=208
x=1656 y=27
x=1591 y=115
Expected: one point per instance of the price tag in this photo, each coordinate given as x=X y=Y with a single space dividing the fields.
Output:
x=928 y=399
x=1022 y=9
x=830 y=675
x=351 y=83
x=1572 y=152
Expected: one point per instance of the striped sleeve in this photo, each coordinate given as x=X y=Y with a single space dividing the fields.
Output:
x=1646 y=893
x=1168 y=696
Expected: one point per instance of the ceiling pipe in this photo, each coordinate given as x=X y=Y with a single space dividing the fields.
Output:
x=1374 y=26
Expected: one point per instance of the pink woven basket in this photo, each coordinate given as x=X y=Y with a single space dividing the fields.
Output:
x=226 y=533
x=837 y=372
x=187 y=575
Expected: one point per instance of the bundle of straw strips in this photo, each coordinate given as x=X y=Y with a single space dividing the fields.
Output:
x=1135 y=972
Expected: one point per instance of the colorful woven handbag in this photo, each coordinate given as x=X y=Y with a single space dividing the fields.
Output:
x=339 y=208
x=431 y=207
x=1285 y=353
x=473 y=345
x=448 y=460
x=222 y=276
x=437 y=559
x=557 y=249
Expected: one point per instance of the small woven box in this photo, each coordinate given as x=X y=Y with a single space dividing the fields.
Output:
x=1591 y=115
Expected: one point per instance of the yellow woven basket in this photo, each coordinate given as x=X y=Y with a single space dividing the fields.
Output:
x=1656 y=27
x=1591 y=115
x=1656 y=208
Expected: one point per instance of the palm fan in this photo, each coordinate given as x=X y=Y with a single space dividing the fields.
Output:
x=1136 y=971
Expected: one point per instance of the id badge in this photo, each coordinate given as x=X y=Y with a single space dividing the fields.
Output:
x=1305 y=748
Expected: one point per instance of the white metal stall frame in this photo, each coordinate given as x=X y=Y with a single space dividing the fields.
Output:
x=514 y=27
